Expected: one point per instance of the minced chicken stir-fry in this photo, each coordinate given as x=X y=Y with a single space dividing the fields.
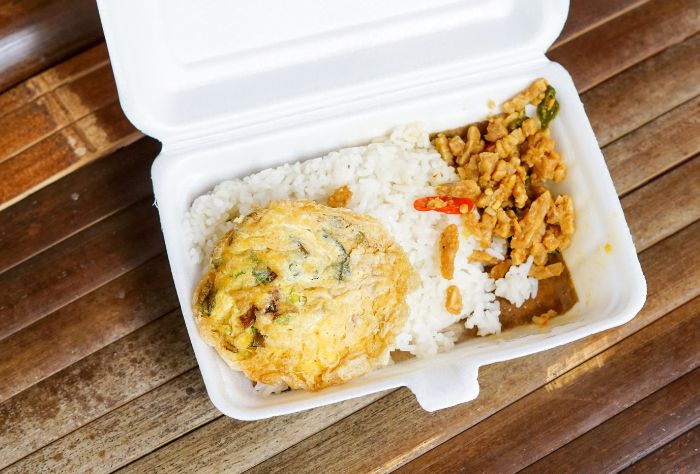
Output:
x=505 y=165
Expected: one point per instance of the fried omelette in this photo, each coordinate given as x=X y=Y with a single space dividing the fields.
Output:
x=304 y=294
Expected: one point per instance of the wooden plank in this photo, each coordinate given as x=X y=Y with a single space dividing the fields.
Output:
x=35 y=34
x=29 y=124
x=680 y=455
x=36 y=86
x=93 y=136
x=54 y=109
x=344 y=446
x=85 y=326
x=644 y=91
x=577 y=402
x=585 y=15
x=73 y=453
x=590 y=58
x=95 y=385
x=87 y=93
x=76 y=202
x=78 y=265
x=252 y=440
x=58 y=122
x=637 y=431
x=679 y=189
x=655 y=147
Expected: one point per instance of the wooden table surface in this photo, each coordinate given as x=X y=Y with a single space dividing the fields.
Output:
x=96 y=369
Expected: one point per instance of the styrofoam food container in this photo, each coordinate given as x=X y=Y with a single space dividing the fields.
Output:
x=232 y=88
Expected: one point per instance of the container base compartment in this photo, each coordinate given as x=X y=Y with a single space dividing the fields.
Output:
x=602 y=259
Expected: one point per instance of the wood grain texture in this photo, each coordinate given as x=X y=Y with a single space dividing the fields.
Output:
x=639 y=430
x=186 y=428
x=93 y=386
x=57 y=104
x=48 y=80
x=654 y=147
x=57 y=122
x=86 y=325
x=350 y=444
x=72 y=204
x=35 y=34
x=30 y=124
x=78 y=265
x=72 y=147
x=644 y=91
x=682 y=455
x=679 y=189
x=167 y=423
x=590 y=59
x=581 y=399
x=585 y=15
x=75 y=452
x=257 y=440
x=110 y=441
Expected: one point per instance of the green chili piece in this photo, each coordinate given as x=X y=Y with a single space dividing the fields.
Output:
x=548 y=108
x=517 y=123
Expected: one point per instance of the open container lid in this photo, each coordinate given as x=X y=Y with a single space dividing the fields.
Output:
x=186 y=70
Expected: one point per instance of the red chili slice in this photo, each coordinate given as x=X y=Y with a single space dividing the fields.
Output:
x=444 y=204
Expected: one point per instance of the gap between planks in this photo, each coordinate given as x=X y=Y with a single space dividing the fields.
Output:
x=680 y=455
x=664 y=23
x=595 y=13
x=73 y=204
x=630 y=435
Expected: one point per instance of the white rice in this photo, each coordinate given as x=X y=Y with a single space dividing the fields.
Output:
x=266 y=390
x=385 y=178
x=516 y=286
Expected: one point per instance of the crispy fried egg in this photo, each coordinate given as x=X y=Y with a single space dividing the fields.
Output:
x=304 y=294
